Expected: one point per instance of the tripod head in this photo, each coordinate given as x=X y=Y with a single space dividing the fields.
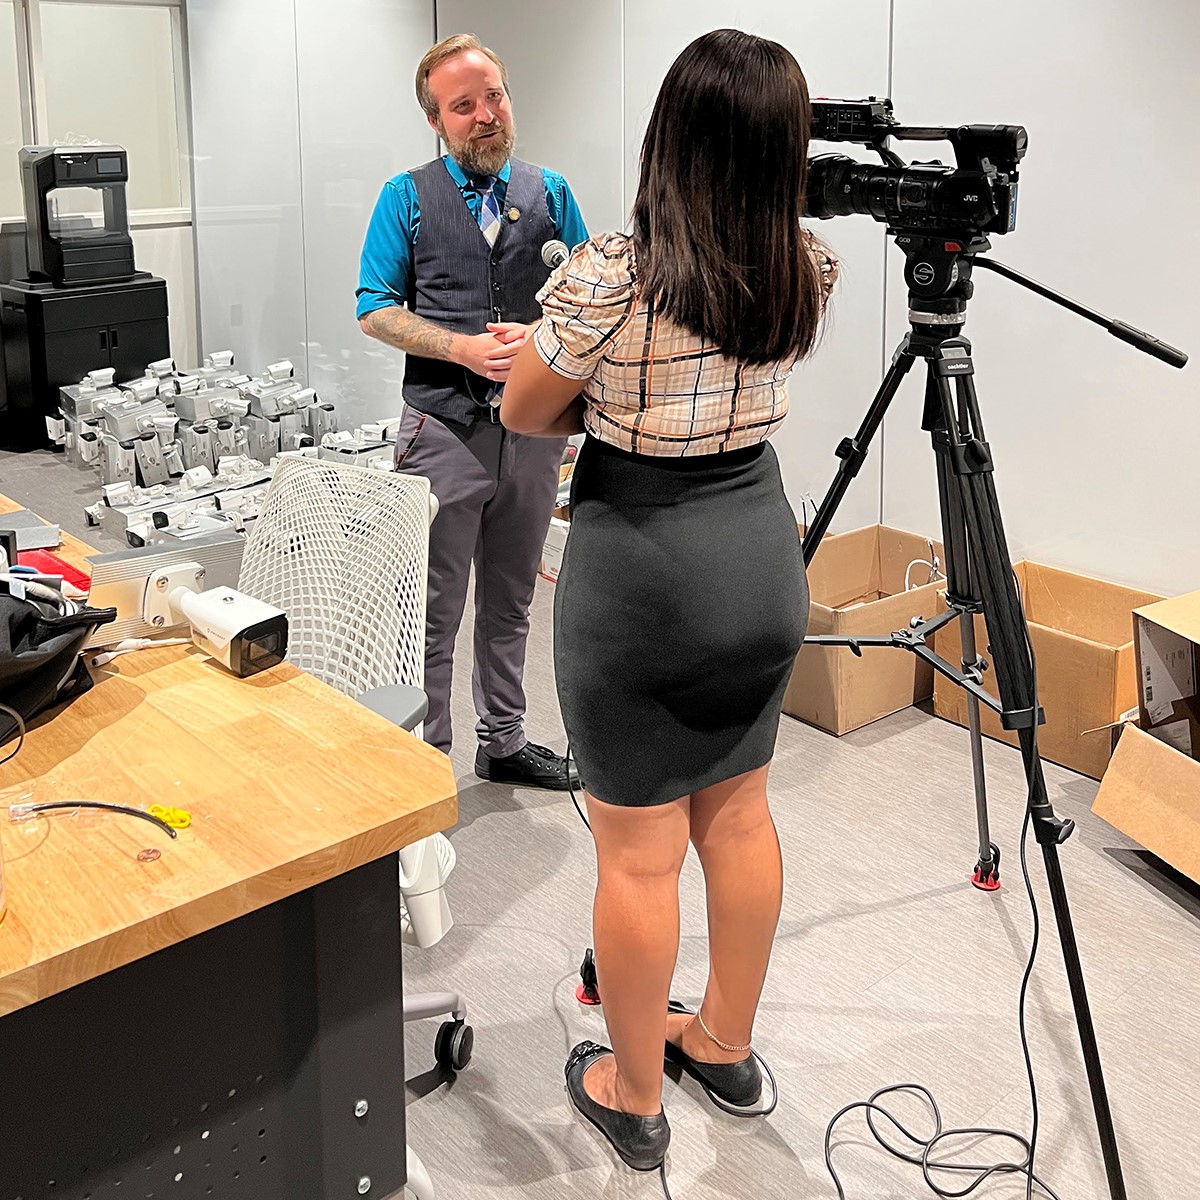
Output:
x=937 y=270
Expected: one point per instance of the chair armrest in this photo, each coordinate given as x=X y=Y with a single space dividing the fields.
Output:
x=402 y=705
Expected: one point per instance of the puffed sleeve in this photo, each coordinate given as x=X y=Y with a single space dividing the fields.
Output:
x=585 y=304
x=827 y=263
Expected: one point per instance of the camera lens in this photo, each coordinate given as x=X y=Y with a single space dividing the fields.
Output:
x=919 y=196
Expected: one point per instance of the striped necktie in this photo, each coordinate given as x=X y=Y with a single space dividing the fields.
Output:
x=489 y=209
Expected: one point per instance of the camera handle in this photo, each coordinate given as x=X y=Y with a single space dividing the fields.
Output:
x=979 y=576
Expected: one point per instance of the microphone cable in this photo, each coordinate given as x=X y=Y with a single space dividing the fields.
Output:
x=571 y=788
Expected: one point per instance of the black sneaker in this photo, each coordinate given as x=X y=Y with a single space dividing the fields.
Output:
x=531 y=766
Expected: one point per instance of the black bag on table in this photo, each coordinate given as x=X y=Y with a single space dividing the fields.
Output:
x=40 y=643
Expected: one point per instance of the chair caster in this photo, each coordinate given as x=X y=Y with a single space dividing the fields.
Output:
x=454 y=1044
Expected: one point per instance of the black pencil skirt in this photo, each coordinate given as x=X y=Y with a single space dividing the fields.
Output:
x=680 y=607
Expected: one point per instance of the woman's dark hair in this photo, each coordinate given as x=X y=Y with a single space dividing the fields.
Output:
x=716 y=220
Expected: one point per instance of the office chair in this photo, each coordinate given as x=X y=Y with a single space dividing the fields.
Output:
x=344 y=551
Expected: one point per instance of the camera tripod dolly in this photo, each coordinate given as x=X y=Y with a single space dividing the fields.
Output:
x=979 y=576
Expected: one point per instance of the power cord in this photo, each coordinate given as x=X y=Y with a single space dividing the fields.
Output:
x=20 y=721
x=927 y=1146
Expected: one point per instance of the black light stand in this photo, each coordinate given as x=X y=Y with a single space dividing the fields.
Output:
x=978 y=572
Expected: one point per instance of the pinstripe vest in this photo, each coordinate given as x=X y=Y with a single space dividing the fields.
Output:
x=461 y=283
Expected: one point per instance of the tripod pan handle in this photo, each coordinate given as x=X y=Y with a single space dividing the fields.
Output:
x=1151 y=345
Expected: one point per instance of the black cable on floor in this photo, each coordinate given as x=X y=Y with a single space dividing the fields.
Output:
x=926 y=1159
x=662 y=1174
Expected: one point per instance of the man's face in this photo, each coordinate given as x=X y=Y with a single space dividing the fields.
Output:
x=474 y=112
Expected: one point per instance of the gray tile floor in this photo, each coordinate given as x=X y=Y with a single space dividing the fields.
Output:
x=889 y=967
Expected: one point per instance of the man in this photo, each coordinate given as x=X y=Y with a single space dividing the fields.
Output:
x=449 y=274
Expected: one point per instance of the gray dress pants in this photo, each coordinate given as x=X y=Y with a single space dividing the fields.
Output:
x=495 y=494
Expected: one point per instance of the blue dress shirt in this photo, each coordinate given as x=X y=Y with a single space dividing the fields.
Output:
x=384 y=275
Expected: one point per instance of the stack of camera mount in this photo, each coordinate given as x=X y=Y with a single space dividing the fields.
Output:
x=182 y=454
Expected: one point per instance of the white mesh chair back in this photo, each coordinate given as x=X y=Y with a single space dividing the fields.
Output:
x=344 y=551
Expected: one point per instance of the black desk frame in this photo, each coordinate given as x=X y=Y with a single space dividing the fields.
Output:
x=231 y=1065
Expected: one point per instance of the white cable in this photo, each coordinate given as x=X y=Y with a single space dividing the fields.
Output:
x=131 y=644
x=932 y=562
x=41 y=592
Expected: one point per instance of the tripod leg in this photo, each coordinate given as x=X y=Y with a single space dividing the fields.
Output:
x=853 y=451
x=1016 y=679
x=961 y=590
x=986 y=875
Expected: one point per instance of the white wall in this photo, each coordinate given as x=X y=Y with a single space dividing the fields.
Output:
x=246 y=179
x=359 y=125
x=1095 y=443
x=301 y=110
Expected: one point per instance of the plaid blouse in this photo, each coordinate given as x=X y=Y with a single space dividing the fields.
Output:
x=653 y=387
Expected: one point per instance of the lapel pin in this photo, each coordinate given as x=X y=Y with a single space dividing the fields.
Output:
x=514 y=214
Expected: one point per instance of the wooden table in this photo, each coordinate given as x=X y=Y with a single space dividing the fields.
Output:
x=167 y=999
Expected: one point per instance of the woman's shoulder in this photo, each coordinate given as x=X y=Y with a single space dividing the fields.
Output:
x=607 y=258
x=599 y=272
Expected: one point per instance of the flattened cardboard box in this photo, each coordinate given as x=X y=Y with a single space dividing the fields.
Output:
x=1082 y=633
x=1151 y=793
x=856 y=583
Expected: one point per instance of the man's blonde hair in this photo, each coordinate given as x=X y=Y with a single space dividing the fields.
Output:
x=448 y=48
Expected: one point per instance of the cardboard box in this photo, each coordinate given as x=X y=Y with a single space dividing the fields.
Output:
x=1082 y=630
x=1165 y=643
x=552 y=549
x=1151 y=793
x=856 y=582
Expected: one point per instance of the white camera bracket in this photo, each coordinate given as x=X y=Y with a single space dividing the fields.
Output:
x=161 y=584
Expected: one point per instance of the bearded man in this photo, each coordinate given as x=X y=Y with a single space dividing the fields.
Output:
x=450 y=272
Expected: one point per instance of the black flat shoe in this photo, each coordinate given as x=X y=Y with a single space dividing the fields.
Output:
x=733 y=1085
x=641 y=1142
x=531 y=766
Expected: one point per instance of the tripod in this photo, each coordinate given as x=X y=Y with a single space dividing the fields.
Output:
x=978 y=572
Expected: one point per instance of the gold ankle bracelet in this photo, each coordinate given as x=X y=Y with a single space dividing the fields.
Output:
x=724 y=1045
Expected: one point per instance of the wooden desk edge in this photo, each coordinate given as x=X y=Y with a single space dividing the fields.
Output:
x=48 y=977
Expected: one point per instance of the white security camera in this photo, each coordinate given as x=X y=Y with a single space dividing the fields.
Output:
x=242 y=633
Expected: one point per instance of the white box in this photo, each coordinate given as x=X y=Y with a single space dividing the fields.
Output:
x=552 y=550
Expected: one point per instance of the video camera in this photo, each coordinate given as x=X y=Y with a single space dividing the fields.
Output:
x=975 y=197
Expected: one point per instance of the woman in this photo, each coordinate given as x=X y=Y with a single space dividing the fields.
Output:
x=681 y=602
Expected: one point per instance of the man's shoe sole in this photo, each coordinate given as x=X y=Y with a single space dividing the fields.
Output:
x=548 y=785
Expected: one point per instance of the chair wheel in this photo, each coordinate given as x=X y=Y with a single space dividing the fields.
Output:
x=455 y=1041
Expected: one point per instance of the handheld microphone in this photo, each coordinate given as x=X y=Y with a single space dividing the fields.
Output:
x=555 y=253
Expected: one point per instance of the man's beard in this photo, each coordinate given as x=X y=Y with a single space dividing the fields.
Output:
x=484 y=157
